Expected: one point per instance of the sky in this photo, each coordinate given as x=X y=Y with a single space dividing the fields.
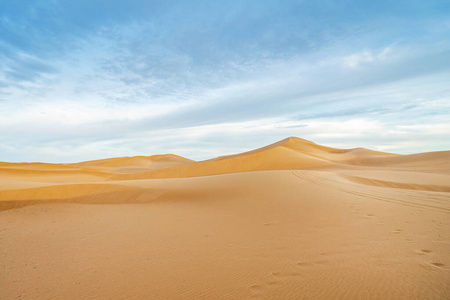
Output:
x=90 y=79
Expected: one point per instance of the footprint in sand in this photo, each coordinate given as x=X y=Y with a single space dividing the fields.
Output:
x=397 y=231
x=423 y=251
x=438 y=264
x=274 y=282
x=255 y=287
x=279 y=276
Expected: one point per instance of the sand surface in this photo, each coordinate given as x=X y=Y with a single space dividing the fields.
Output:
x=293 y=220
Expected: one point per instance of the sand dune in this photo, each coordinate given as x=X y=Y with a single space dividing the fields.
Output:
x=290 y=153
x=135 y=164
x=292 y=220
x=435 y=162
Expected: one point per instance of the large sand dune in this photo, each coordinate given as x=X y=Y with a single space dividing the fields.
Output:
x=292 y=220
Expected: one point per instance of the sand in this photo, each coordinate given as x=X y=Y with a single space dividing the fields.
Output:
x=293 y=220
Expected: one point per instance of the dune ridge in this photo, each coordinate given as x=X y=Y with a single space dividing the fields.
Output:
x=290 y=153
x=32 y=182
x=291 y=220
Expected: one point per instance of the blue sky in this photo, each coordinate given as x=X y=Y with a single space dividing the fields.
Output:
x=93 y=79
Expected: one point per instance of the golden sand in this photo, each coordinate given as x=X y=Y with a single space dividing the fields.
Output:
x=293 y=220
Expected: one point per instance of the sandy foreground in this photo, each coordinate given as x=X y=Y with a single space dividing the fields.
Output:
x=293 y=220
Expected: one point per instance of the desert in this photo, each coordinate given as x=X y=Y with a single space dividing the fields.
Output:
x=178 y=150
x=292 y=220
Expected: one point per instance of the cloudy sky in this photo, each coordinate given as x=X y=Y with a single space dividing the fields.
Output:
x=90 y=79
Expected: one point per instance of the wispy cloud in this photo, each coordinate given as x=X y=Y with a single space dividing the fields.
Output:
x=355 y=60
x=87 y=80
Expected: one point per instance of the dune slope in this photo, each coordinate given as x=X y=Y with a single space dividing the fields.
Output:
x=290 y=153
x=292 y=220
x=135 y=164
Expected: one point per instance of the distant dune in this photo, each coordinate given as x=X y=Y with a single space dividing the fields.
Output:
x=135 y=164
x=292 y=220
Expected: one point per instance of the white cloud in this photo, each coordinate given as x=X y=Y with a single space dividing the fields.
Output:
x=107 y=99
x=355 y=60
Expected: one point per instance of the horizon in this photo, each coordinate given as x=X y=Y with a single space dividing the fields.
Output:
x=83 y=80
x=219 y=156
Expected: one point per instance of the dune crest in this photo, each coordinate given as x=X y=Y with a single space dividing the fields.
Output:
x=290 y=153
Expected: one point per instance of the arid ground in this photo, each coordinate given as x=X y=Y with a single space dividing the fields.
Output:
x=293 y=220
